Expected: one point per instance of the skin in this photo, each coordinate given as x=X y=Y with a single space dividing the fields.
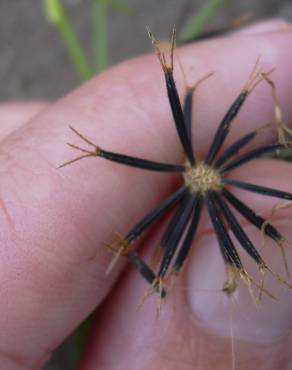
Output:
x=54 y=222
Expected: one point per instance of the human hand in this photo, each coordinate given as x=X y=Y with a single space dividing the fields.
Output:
x=55 y=221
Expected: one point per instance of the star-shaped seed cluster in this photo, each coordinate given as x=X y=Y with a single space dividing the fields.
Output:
x=206 y=183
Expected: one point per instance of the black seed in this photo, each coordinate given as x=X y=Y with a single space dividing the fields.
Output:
x=253 y=154
x=224 y=127
x=259 y=189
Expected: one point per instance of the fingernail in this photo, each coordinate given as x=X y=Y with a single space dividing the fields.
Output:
x=270 y=25
x=214 y=311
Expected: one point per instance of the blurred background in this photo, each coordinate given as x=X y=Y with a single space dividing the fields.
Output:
x=34 y=62
x=49 y=47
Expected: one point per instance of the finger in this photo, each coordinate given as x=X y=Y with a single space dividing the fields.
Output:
x=268 y=25
x=54 y=222
x=15 y=115
x=197 y=319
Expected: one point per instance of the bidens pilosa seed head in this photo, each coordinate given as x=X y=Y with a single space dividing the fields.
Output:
x=206 y=183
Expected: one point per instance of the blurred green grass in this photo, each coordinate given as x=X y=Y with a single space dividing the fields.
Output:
x=56 y=14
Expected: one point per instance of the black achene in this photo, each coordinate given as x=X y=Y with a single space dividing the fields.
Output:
x=204 y=184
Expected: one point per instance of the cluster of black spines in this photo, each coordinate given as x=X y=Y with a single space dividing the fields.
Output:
x=178 y=237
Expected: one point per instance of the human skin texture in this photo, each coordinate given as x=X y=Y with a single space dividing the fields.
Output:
x=55 y=222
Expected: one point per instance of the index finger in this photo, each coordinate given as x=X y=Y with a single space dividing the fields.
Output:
x=55 y=221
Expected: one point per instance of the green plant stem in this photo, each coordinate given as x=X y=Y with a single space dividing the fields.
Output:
x=100 y=35
x=198 y=22
x=56 y=15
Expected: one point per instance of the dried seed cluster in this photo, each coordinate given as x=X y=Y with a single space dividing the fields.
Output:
x=202 y=178
x=205 y=183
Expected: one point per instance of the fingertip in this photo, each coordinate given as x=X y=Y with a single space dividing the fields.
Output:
x=263 y=322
